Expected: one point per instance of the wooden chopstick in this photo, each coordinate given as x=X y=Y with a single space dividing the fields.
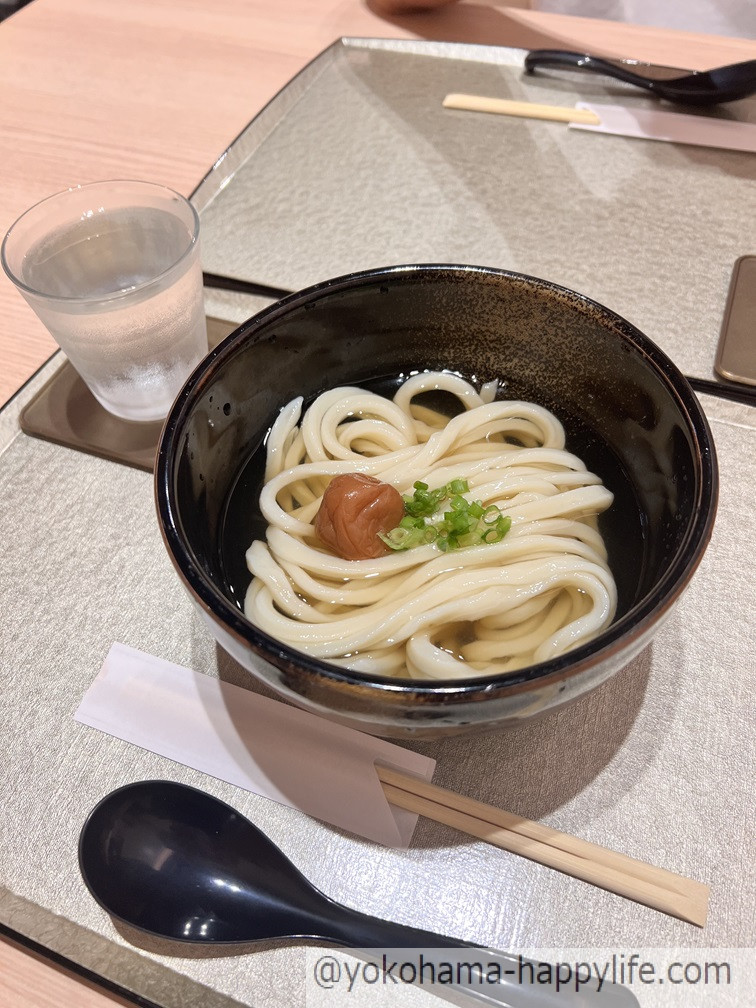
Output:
x=655 y=887
x=528 y=110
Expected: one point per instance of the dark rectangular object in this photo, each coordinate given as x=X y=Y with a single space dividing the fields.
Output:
x=736 y=353
x=66 y=412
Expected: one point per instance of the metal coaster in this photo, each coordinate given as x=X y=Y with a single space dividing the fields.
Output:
x=65 y=411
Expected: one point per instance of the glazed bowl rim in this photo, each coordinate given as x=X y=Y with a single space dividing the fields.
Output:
x=631 y=626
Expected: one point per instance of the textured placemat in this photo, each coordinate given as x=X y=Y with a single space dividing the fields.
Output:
x=357 y=165
x=658 y=762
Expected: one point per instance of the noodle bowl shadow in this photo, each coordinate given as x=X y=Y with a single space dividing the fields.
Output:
x=627 y=411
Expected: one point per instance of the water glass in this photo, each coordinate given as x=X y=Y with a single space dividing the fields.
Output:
x=113 y=271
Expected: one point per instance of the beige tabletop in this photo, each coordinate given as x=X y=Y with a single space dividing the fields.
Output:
x=156 y=90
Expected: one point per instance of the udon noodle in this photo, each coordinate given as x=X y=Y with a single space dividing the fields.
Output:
x=482 y=610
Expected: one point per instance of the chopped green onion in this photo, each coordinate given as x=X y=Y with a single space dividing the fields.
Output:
x=410 y=523
x=468 y=539
x=402 y=539
x=464 y=524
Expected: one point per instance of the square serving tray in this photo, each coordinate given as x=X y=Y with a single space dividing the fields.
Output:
x=356 y=164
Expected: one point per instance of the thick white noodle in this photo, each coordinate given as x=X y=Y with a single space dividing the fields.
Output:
x=484 y=610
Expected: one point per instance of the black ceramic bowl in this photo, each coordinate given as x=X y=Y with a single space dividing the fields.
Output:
x=627 y=410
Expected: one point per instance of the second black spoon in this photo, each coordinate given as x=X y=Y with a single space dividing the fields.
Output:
x=709 y=87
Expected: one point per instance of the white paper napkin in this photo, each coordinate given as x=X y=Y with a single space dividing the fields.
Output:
x=269 y=748
x=675 y=127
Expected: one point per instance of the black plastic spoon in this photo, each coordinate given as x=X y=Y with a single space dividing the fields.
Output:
x=177 y=863
x=709 y=87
